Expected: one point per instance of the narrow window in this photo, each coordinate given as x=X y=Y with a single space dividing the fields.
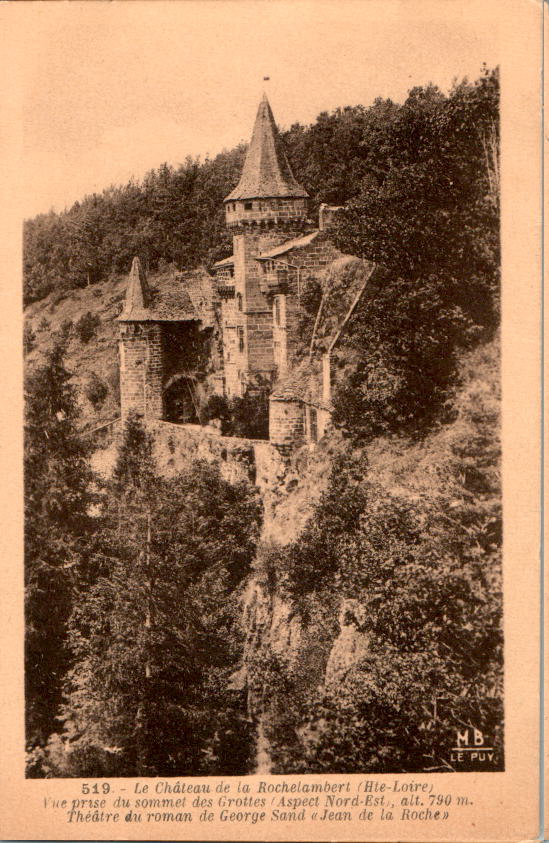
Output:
x=241 y=340
x=277 y=310
x=279 y=314
x=239 y=301
x=313 y=427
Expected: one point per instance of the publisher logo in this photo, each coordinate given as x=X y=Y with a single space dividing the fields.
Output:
x=472 y=749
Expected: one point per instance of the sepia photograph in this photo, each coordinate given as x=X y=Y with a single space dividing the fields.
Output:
x=262 y=487
x=271 y=436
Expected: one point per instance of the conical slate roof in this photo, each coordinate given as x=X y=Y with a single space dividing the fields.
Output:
x=136 y=306
x=175 y=299
x=266 y=172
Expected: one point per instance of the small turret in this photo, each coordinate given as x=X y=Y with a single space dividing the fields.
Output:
x=138 y=298
x=267 y=193
x=140 y=350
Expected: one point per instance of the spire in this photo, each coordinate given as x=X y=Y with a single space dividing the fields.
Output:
x=137 y=295
x=266 y=172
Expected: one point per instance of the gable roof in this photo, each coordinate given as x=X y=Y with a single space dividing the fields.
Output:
x=226 y=261
x=302 y=383
x=266 y=172
x=170 y=303
x=296 y=243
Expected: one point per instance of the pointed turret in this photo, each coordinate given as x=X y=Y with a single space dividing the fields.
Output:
x=136 y=306
x=267 y=173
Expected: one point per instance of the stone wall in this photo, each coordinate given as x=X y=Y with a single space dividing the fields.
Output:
x=141 y=369
x=230 y=346
x=225 y=274
x=277 y=211
x=255 y=318
x=253 y=460
x=304 y=264
x=286 y=425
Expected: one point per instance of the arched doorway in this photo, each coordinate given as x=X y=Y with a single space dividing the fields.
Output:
x=180 y=400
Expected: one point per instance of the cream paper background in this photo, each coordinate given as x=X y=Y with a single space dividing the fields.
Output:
x=506 y=805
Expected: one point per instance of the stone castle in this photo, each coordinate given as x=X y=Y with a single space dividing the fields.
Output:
x=230 y=331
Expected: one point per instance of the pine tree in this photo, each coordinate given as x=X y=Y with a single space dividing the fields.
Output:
x=57 y=500
x=155 y=637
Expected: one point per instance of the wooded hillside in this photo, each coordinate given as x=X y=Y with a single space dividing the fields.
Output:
x=170 y=622
x=175 y=214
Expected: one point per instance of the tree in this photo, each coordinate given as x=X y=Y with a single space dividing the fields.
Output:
x=57 y=523
x=431 y=221
x=86 y=326
x=155 y=637
x=417 y=574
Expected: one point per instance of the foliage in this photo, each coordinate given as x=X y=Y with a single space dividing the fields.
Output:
x=311 y=297
x=154 y=636
x=431 y=219
x=96 y=391
x=86 y=326
x=218 y=408
x=245 y=416
x=420 y=581
x=314 y=557
x=250 y=414
x=57 y=499
x=176 y=214
x=29 y=338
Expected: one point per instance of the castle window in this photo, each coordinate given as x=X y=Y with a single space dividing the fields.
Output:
x=313 y=426
x=248 y=206
x=279 y=311
x=239 y=301
x=241 y=340
x=231 y=272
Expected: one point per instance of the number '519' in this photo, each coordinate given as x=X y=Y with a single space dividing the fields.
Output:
x=104 y=787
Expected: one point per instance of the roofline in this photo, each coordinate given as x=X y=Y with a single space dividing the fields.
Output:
x=157 y=319
x=319 y=405
x=290 y=246
x=302 y=195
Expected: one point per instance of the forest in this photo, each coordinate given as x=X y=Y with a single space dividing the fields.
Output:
x=135 y=584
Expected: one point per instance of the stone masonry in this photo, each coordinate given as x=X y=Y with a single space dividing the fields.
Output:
x=248 y=318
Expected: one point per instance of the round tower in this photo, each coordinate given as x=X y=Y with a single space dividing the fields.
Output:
x=267 y=194
x=265 y=209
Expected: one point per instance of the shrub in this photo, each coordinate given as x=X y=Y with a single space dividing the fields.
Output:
x=218 y=407
x=113 y=381
x=250 y=415
x=96 y=391
x=86 y=326
x=246 y=416
x=66 y=328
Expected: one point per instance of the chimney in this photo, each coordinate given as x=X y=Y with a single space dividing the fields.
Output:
x=326 y=215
